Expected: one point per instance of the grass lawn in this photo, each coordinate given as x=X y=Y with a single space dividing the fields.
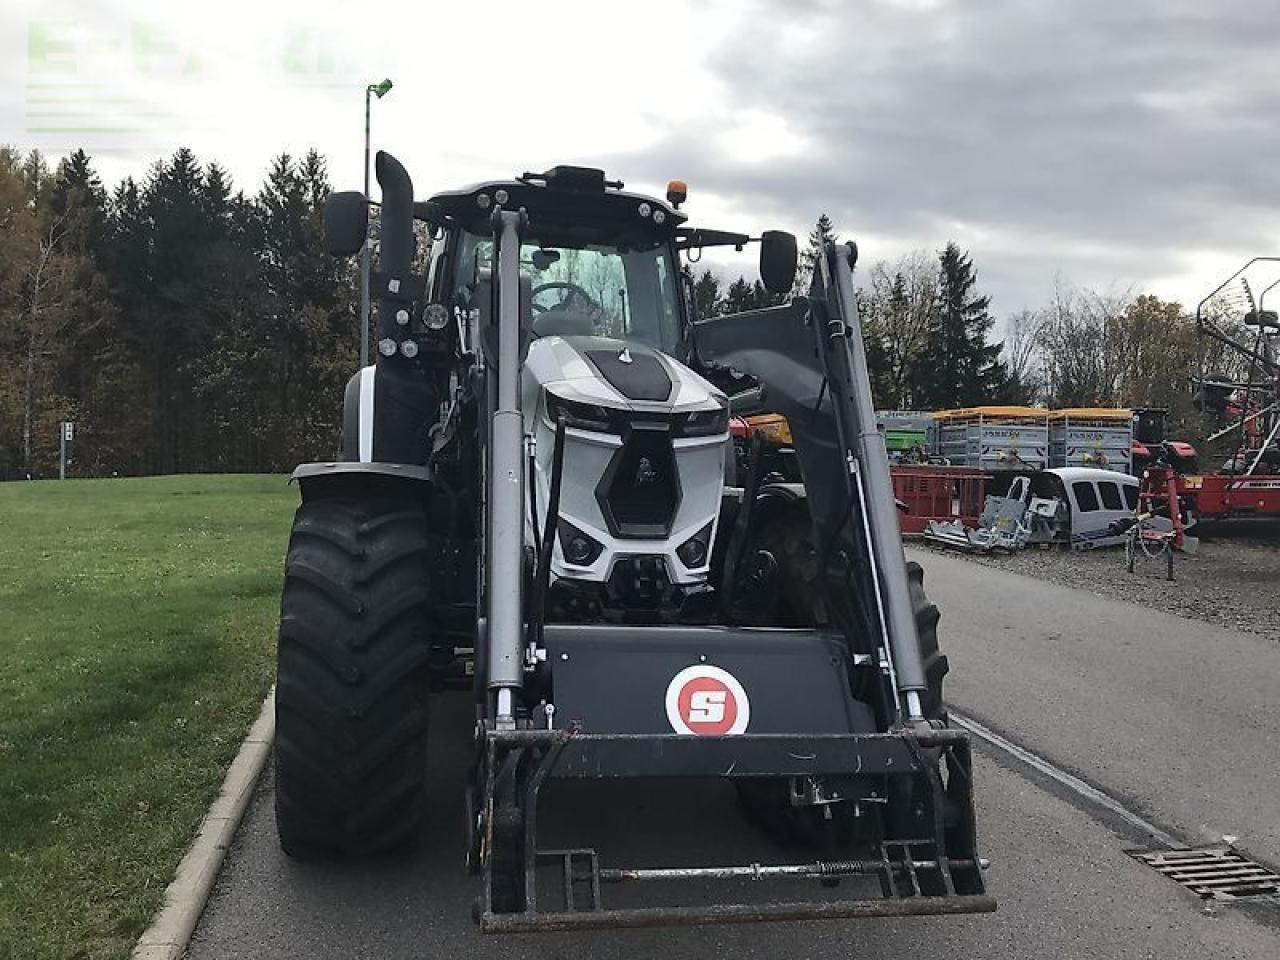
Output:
x=137 y=623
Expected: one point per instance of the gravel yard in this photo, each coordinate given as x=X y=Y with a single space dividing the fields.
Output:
x=1234 y=580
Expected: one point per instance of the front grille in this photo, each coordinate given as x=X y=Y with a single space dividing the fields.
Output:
x=640 y=490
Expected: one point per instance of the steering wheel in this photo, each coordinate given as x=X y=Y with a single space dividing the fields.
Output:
x=572 y=290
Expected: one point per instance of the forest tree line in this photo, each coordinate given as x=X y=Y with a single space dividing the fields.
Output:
x=183 y=326
x=186 y=326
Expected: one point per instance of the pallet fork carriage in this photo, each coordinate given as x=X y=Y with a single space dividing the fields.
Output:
x=635 y=616
x=919 y=875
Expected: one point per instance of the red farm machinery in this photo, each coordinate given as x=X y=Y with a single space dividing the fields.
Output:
x=1242 y=393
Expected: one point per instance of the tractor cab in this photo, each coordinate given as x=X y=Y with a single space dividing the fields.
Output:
x=594 y=261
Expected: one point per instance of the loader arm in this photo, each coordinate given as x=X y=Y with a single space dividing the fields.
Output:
x=809 y=359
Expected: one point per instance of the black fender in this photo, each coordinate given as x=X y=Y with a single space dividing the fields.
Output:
x=775 y=499
x=362 y=481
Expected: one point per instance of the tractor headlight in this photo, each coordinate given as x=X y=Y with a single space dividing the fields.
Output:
x=577 y=548
x=693 y=552
x=705 y=423
x=583 y=416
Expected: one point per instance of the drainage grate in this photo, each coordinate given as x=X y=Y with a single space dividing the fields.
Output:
x=1218 y=873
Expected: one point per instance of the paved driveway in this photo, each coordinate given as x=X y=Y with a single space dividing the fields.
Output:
x=1175 y=717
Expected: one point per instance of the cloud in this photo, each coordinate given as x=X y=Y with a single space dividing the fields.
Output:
x=1113 y=142
x=1118 y=143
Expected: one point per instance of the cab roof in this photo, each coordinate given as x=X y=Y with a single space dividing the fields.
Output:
x=563 y=200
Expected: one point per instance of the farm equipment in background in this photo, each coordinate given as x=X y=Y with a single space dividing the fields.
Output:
x=532 y=505
x=1075 y=506
x=909 y=436
x=1159 y=525
x=1093 y=437
x=994 y=439
x=1150 y=444
x=932 y=493
x=766 y=436
x=1246 y=401
x=1007 y=523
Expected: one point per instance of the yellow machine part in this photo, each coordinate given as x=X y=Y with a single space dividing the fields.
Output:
x=773 y=427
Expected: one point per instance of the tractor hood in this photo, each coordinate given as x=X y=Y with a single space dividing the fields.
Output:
x=615 y=374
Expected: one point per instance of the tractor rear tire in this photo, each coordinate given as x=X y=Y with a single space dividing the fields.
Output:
x=351 y=679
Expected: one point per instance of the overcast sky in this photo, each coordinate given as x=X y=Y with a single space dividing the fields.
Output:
x=1121 y=143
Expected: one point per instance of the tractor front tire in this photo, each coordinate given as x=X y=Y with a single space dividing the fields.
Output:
x=351 y=679
x=765 y=801
x=934 y=660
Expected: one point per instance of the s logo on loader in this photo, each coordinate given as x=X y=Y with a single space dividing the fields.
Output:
x=707 y=701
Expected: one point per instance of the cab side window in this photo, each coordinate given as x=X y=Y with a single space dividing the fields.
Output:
x=1086 y=496
x=1110 y=495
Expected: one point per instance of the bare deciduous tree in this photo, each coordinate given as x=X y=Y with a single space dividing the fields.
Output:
x=1021 y=353
x=899 y=303
x=1083 y=346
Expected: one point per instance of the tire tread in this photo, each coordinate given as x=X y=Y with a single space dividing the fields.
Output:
x=352 y=684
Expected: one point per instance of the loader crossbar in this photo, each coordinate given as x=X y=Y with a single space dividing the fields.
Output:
x=603 y=756
x=935 y=871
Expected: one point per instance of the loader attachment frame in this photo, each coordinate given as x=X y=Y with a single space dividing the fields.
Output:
x=935 y=871
x=808 y=358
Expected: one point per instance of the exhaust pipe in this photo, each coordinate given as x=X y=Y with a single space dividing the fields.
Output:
x=395 y=238
x=402 y=398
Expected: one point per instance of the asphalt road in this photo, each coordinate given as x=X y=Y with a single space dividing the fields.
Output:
x=1176 y=718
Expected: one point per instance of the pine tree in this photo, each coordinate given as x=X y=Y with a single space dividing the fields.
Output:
x=762 y=297
x=77 y=193
x=957 y=367
x=739 y=297
x=310 y=322
x=822 y=231
x=706 y=295
x=179 y=312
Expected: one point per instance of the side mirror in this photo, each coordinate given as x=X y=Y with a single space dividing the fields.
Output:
x=778 y=260
x=346 y=223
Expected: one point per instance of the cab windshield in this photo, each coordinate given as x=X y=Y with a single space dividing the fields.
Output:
x=628 y=293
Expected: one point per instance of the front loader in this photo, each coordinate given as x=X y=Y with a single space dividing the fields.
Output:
x=533 y=506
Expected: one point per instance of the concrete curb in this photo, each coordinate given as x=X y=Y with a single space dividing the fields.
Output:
x=184 y=900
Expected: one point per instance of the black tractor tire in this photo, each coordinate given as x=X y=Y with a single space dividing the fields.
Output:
x=794 y=597
x=351 y=679
x=934 y=660
x=790 y=540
